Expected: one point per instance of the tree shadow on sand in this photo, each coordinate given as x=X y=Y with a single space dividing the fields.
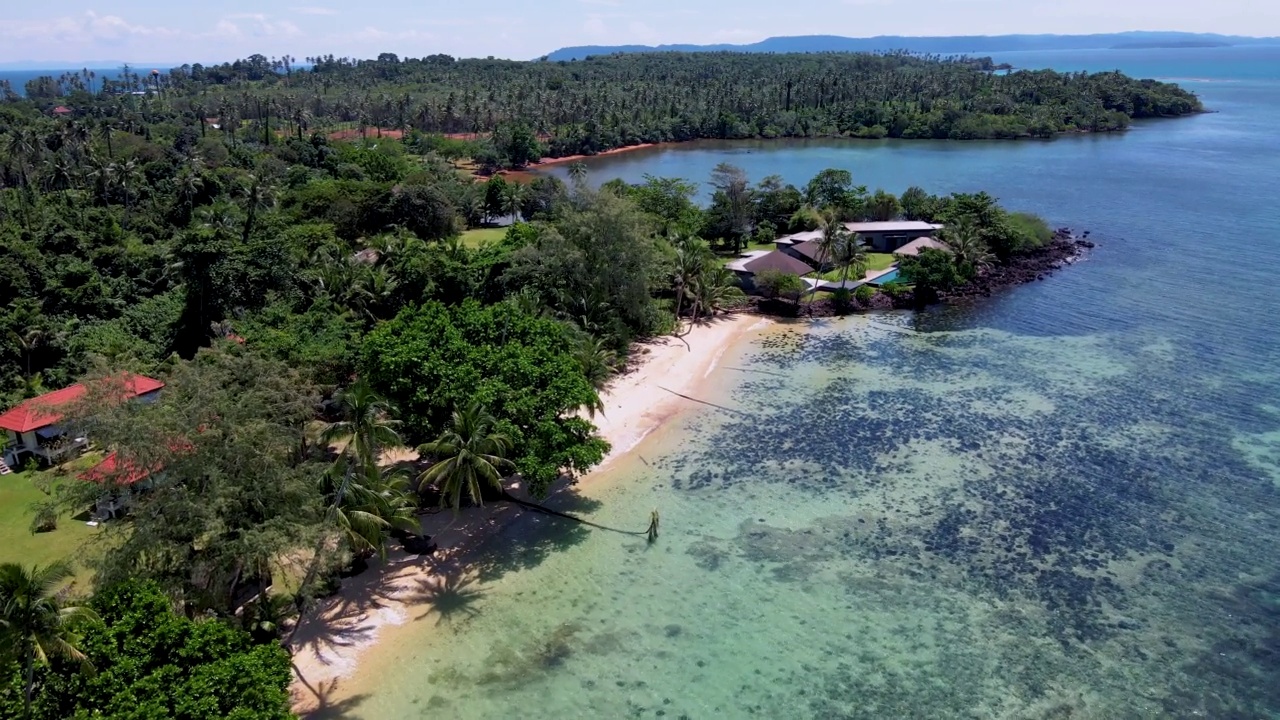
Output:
x=320 y=700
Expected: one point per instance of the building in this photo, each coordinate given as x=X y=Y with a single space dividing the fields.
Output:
x=32 y=426
x=913 y=248
x=758 y=261
x=886 y=237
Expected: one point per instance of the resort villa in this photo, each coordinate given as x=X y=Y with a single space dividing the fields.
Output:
x=32 y=427
x=800 y=253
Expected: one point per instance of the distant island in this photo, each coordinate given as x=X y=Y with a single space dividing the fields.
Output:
x=1170 y=45
x=947 y=45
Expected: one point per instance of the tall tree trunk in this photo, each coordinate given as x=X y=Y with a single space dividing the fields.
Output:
x=30 y=685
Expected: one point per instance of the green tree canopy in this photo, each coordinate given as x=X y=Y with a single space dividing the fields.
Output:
x=151 y=663
x=432 y=359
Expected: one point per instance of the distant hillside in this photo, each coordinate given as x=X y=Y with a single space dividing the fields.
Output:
x=942 y=45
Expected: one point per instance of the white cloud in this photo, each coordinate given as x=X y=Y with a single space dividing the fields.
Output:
x=308 y=10
x=253 y=25
x=87 y=28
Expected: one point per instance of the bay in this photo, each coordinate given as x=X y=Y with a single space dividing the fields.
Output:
x=1063 y=501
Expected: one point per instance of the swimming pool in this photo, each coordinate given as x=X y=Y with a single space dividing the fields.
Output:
x=889 y=277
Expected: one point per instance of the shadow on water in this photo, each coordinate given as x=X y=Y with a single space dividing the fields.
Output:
x=449 y=594
x=527 y=541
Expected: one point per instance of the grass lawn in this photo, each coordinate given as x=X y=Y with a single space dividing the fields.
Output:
x=880 y=261
x=17 y=544
x=479 y=236
x=875 y=263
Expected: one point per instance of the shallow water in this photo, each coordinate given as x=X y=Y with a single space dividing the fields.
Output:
x=1061 y=502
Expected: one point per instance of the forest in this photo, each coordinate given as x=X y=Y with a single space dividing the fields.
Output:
x=605 y=102
x=312 y=302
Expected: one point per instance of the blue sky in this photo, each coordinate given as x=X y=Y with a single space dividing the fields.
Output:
x=175 y=32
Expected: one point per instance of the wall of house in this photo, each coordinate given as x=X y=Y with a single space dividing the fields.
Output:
x=888 y=242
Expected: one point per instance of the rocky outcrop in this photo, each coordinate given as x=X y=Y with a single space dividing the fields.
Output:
x=1063 y=250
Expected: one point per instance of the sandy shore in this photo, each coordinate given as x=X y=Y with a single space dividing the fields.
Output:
x=331 y=639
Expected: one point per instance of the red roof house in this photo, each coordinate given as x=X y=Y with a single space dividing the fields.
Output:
x=62 y=110
x=30 y=421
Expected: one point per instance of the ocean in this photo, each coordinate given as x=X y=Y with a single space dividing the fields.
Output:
x=1060 y=502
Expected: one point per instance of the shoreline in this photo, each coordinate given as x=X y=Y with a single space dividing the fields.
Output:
x=332 y=639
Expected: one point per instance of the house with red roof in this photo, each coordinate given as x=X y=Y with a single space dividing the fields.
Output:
x=32 y=426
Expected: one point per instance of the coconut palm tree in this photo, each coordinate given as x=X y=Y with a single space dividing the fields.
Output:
x=693 y=258
x=257 y=197
x=34 y=627
x=851 y=258
x=366 y=501
x=715 y=289
x=578 y=173
x=967 y=247
x=366 y=422
x=513 y=200
x=596 y=359
x=470 y=453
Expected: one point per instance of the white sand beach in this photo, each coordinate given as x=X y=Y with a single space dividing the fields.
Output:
x=331 y=639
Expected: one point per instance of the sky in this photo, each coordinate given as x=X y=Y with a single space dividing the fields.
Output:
x=76 y=31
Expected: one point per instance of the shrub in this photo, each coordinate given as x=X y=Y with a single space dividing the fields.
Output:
x=864 y=293
x=778 y=284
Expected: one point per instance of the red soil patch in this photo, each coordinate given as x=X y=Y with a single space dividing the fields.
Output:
x=354 y=134
x=575 y=158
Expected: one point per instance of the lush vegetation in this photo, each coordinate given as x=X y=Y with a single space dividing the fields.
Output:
x=563 y=108
x=312 y=303
x=128 y=655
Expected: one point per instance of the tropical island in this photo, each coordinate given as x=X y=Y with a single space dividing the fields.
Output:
x=244 y=348
x=514 y=113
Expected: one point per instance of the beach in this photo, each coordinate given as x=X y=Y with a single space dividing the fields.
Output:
x=664 y=377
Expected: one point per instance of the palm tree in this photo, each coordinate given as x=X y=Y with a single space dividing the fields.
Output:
x=257 y=197
x=366 y=501
x=366 y=422
x=715 y=289
x=851 y=257
x=597 y=361
x=471 y=452
x=33 y=625
x=967 y=246
x=513 y=199
x=693 y=258
x=578 y=173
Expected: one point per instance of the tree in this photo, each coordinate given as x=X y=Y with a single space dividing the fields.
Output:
x=366 y=423
x=968 y=249
x=715 y=289
x=850 y=258
x=918 y=204
x=513 y=200
x=423 y=210
x=578 y=173
x=35 y=628
x=517 y=144
x=731 y=203
x=432 y=359
x=470 y=453
x=778 y=284
x=932 y=272
x=882 y=206
x=150 y=662
x=693 y=258
x=231 y=490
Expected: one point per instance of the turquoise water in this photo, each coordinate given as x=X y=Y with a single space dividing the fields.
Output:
x=1061 y=502
x=891 y=276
